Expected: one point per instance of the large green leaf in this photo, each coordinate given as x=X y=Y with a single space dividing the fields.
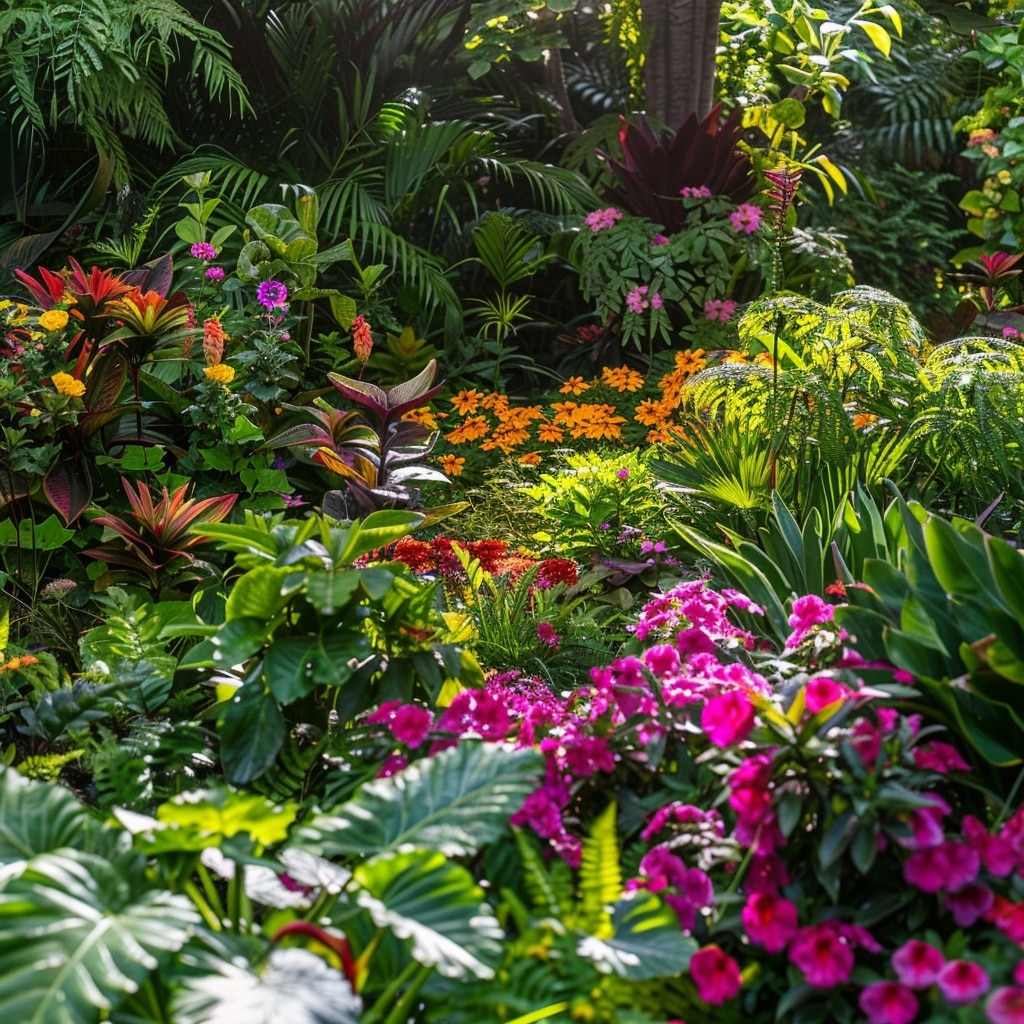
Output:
x=422 y=896
x=647 y=941
x=36 y=818
x=295 y=987
x=74 y=942
x=455 y=802
x=252 y=731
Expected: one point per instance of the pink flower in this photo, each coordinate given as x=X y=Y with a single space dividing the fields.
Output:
x=888 y=1002
x=822 y=692
x=600 y=219
x=770 y=920
x=969 y=904
x=716 y=975
x=746 y=218
x=940 y=757
x=962 y=981
x=1006 y=1006
x=917 y=964
x=727 y=718
x=1018 y=973
x=410 y=724
x=215 y=273
x=821 y=953
x=949 y=866
x=808 y=612
x=636 y=300
x=657 y=302
x=203 y=251
x=476 y=711
x=394 y=764
x=695 y=192
x=997 y=852
x=719 y=309
x=767 y=873
x=546 y=635
x=660 y=240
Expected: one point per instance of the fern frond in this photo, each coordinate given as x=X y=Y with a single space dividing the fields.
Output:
x=600 y=875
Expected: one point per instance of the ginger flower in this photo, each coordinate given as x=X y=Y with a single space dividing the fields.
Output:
x=65 y=384
x=574 y=386
x=213 y=340
x=362 y=339
x=221 y=373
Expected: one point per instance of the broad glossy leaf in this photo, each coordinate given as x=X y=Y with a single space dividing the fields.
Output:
x=220 y=813
x=377 y=530
x=455 y=802
x=252 y=731
x=74 y=942
x=422 y=896
x=647 y=941
x=260 y=593
x=295 y=987
x=35 y=817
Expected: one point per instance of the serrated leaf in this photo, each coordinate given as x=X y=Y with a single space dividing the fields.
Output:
x=455 y=802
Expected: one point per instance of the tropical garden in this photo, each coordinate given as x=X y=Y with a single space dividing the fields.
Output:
x=511 y=512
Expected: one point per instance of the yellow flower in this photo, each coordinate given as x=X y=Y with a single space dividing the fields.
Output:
x=220 y=372
x=53 y=320
x=574 y=386
x=65 y=384
x=452 y=464
x=424 y=415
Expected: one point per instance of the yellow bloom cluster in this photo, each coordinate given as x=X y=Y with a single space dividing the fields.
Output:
x=221 y=373
x=65 y=384
x=53 y=320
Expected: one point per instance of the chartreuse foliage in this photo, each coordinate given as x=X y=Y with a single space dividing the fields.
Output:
x=305 y=629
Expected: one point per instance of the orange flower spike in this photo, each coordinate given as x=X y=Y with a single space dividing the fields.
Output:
x=362 y=339
x=213 y=340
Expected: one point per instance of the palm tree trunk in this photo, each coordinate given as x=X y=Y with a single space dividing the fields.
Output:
x=679 y=65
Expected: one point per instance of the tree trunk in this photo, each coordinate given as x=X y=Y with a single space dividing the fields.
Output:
x=679 y=66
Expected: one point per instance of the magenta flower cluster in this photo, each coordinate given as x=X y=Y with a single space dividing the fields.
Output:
x=598 y=220
x=719 y=309
x=746 y=218
x=642 y=298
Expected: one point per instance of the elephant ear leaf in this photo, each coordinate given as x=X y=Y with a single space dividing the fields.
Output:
x=295 y=986
x=75 y=942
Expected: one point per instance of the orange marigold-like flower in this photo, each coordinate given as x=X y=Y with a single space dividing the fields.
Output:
x=764 y=359
x=423 y=415
x=734 y=357
x=22 y=661
x=452 y=465
x=521 y=416
x=498 y=404
x=691 y=361
x=550 y=433
x=565 y=412
x=213 y=340
x=622 y=378
x=530 y=459
x=469 y=430
x=506 y=439
x=597 y=423
x=467 y=402
x=65 y=384
x=863 y=419
x=574 y=386
x=659 y=436
x=650 y=413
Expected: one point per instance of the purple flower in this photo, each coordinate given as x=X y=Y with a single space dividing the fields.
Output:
x=203 y=251
x=699 y=192
x=660 y=240
x=623 y=474
x=271 y=294
x=746 y=218
x=657 y=302
x=1006 y=1006
x=546 y=635
x=215 y=273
